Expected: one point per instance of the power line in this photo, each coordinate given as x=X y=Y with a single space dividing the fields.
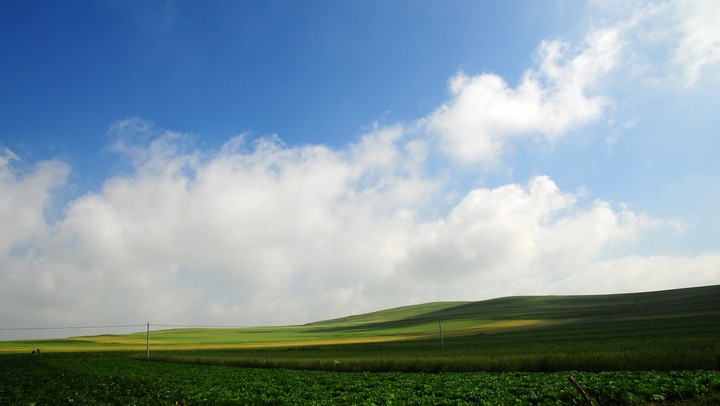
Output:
x=69 y=327
x=115 y=326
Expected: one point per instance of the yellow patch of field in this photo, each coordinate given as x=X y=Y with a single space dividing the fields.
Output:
x=115 y=340
x=138 y=343
x=494 y=326
x=278 y=344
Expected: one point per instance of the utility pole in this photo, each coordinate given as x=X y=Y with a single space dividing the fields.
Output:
x=147 y=340
x=442 y=342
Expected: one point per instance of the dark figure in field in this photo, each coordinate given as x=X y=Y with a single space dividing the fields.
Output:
x=36 y=351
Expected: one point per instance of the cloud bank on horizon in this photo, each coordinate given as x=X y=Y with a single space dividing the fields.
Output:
x=257 y=231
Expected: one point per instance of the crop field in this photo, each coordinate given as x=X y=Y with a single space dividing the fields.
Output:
x=117 y=379
x=642 y=348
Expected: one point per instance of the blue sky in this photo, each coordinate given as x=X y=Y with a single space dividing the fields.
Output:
x=284 y=162
x=312 y=73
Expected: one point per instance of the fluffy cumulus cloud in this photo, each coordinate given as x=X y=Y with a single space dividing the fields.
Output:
x=263 y=233
x=24 y=198
x=517 y=238
x=551 y=99
x=665 y=43
x=246 y=234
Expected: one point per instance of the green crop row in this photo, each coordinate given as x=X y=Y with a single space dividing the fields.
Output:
x=116 y=378
x=504 y=353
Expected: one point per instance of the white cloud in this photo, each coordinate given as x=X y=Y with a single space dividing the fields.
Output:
x=643 y=273
x=550 y=100
x=669 y=43
x=659 y=44
x=248 y=229
x=266 y=233
x=503 y=235
x=699 y=47
x=24 y=197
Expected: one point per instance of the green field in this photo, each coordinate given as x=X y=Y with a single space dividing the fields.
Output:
x=626 y=349
x=117 y=379
x=668 y=330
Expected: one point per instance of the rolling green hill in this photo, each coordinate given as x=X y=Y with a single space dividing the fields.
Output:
x=690 y=301
x=651 y=330
x=637 y=348
x=666 y=330
x=690 y=308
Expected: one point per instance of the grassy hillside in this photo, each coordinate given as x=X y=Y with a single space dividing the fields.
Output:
x=668 y=330
x=659 y=306
x=675 y=329
x=682 y=311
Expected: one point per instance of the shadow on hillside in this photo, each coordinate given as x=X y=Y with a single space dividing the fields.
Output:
x=648 y=307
